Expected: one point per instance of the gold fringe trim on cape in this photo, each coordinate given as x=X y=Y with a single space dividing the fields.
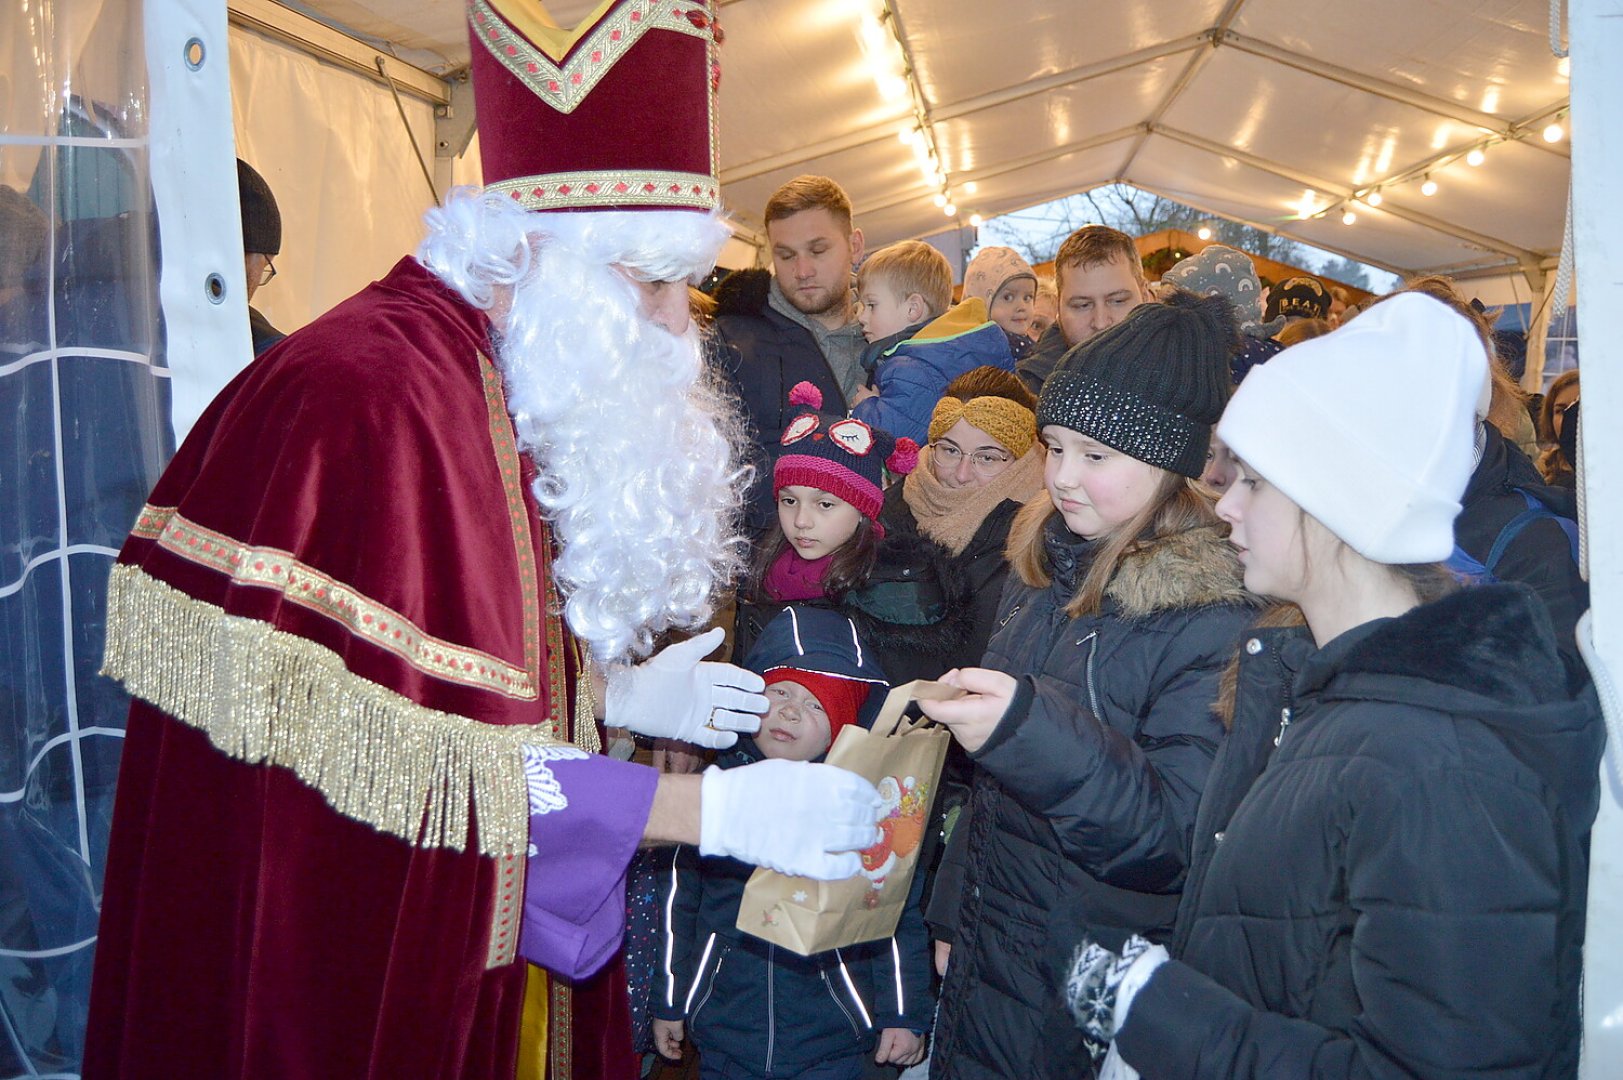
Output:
x=265 y=696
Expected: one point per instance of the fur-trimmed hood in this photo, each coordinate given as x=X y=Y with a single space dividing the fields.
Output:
x=1190 y=569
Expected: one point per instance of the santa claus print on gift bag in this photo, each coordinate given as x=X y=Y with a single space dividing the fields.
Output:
x=903 y=758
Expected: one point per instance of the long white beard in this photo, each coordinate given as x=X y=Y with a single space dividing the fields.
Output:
x=638 y=450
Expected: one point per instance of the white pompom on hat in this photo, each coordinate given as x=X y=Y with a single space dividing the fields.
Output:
x=1370 y=428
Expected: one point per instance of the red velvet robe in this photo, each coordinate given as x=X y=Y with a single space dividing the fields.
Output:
x=300 y=882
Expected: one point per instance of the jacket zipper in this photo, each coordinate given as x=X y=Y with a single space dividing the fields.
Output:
x=855 y=1030
x=714 y=973
x=1092 y=641
x=1284 y=722
x=771 y=1011
x=1012 y=613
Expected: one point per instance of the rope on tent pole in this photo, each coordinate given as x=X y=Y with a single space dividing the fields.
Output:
x=1563 y=267
x=428 y=177
x=1558 y=42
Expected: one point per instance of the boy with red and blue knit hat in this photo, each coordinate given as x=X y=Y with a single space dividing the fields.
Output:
x=752 y=1008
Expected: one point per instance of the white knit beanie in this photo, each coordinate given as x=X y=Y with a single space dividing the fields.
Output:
x=1370 y=428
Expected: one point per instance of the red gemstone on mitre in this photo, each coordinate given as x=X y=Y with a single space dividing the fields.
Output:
x=591 y=189
x=553 y=85
x=615 y=36
x=597 y=56
x=512 y=50
x=636 y=16
x=676 y=189
x=533 y=69
x=648 y=188
x=575 y=78
x=563 y=189
x=538 y=192
x=622 y=187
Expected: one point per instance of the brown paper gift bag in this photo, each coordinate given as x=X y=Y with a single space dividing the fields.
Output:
x=903 y=759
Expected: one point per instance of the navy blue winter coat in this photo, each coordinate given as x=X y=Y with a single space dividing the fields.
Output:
x=1397 y=889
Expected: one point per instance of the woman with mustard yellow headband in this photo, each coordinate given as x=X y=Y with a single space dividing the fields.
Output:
x=982 y=463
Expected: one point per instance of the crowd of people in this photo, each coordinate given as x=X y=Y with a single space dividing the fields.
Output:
x=1272 y=752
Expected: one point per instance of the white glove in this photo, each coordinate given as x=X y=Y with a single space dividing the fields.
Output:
x=794 y=817
x=672 y=695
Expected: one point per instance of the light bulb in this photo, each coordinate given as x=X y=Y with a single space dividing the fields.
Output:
x=940 y=199
x=1554 y=133
x=1348 y=218
x=971 y=188
x=950 y=210
x=1475 y=157
x=1429 y=188
x=908 y=135
x=976 y=221
x=1204 y=232
x=1375 y=198
x=892 y=87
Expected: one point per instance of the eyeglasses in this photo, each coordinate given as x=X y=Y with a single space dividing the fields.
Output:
x=981 y=460
x=266 y=272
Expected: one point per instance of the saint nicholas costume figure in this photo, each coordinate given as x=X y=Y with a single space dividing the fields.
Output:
x=373 y=609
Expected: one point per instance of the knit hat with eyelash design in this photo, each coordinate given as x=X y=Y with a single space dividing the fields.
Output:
x=839 y=454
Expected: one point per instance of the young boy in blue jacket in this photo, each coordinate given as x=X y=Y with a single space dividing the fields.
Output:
x=916 y=343
x=754 y=1009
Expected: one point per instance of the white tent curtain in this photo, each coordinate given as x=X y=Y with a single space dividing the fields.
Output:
x=331 y=145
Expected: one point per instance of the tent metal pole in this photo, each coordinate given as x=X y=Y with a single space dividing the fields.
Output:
x=320 y=40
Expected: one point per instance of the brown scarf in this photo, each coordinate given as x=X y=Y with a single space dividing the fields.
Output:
x=952 y=516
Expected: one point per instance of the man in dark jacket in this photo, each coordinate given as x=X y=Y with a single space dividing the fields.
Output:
x=261 y=239
x=1100 y=279
x=797 y=326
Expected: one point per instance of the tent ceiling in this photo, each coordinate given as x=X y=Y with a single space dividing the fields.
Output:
x=1249 y=109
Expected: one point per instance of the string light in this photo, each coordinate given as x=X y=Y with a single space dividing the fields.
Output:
x=1554 y=133
x=950 y=210
x=1475 y=157
x=909 y=136
x=976 y=221
x=1348 y=217
x=940 y=199
x=1429 y=187
x=1375 y=198
x=1204 y=232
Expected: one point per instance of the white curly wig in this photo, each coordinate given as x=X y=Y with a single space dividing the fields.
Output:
x=638 y=450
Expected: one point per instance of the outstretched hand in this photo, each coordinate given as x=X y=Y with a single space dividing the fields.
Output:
x=677 y=694
x=973 y=717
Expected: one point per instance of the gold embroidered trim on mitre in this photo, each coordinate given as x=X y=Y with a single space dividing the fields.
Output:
x=265 y=696
x=618 y=187
x=535 y=53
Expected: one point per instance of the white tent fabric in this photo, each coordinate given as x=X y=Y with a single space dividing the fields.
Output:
x=1252 y=109
x=335 y=153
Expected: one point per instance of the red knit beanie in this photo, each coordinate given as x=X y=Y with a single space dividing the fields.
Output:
x=841 y=698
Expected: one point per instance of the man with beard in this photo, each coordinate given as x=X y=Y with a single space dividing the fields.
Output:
x=373 y=606
x=798 y=324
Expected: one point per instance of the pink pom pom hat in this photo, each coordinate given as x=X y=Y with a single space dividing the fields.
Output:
x=839 y=454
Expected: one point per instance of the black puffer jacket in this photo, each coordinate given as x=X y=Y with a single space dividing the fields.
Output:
x=1541 y=555
x=981 y=565
x=913 y=611
x=1085 y=798
x=765 y=354
x=1039 y=363
x=1398 y=889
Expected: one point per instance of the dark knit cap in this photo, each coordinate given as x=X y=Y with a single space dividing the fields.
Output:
x=261 y=221
x=1303 y=297
x=1153 y=385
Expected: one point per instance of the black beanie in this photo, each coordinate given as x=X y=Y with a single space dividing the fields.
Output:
x=261 y=221
x=1153 y=385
